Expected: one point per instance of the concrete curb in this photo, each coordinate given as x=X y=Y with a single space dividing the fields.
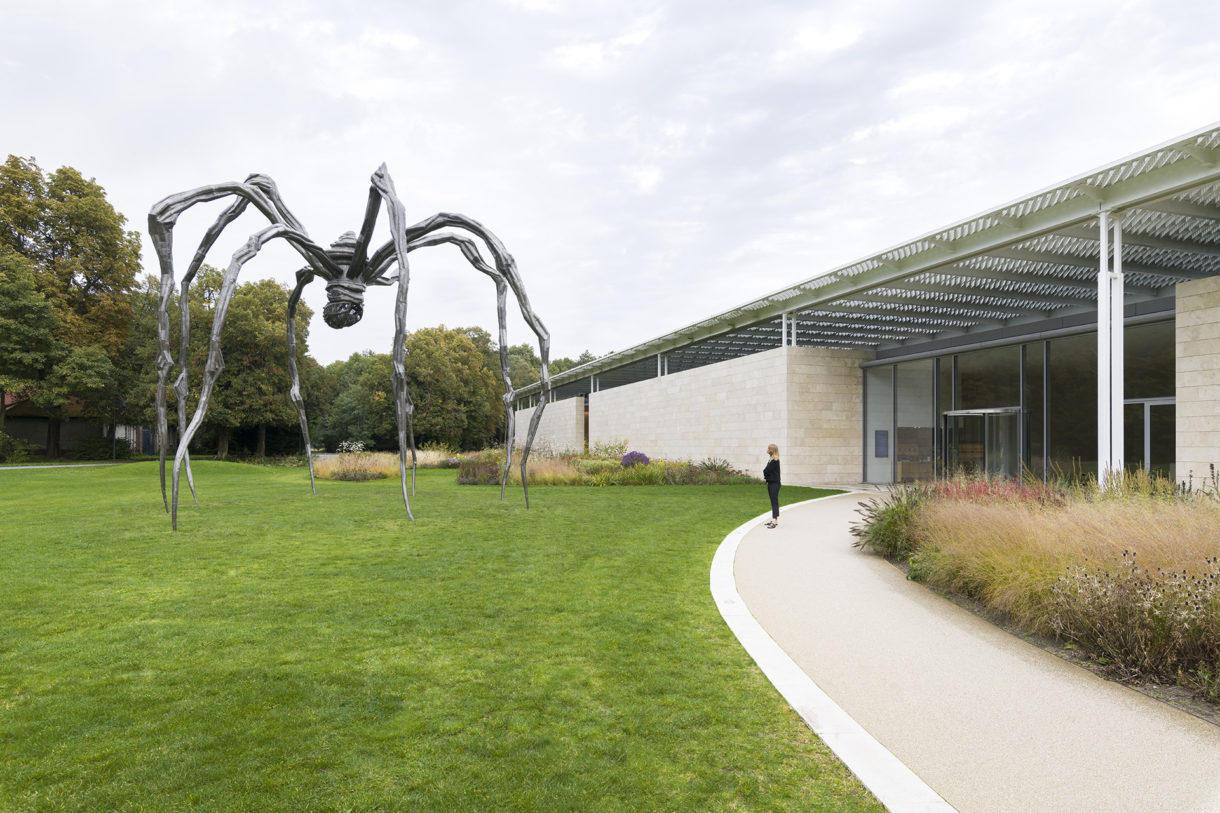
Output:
x=892 y=782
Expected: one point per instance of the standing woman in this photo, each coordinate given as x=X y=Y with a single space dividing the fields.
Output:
x=771 y=475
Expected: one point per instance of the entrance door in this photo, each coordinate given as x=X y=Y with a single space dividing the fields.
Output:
x=983 y=442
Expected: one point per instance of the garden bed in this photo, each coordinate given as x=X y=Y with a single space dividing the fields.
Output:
x=1125 y=579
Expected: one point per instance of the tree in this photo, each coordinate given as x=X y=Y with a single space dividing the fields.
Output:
x=84 y=267
x=84 y=383
x=457 y=398
x=559 y=365
x=524 y=365
x=85 y=263
x=453 y=378
x=28 y=349
x=357 y=410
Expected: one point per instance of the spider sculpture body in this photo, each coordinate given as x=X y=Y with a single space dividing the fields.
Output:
x=349 y=269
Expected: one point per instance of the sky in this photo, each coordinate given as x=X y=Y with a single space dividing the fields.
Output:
x=649 y=164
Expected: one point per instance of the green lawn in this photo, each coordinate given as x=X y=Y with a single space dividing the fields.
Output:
x=289 y=652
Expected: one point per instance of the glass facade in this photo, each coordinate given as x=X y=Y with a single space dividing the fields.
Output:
x=1028 y=406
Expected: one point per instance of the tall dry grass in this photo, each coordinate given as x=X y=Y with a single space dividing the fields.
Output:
x=1010 y=555
x=375 y=465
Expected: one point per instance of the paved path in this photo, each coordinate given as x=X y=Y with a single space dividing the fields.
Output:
x=989 y=722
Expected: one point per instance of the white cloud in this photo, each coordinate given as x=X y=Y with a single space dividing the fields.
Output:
x=819 y=41
x=597 y=59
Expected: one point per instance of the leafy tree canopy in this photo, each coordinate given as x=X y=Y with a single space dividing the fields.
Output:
x=28 y=348
x=85 y=263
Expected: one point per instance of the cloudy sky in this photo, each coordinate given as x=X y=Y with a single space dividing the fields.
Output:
x=648 y=163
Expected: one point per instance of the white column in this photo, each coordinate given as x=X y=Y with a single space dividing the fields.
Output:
x=1103 y=351
x=1110 y=291
x=1118 y=457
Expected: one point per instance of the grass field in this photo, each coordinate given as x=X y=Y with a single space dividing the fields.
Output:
x=289 y=652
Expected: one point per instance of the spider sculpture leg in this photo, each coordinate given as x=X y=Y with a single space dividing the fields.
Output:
x=384 y=186
x=257 y=189
x=506 y=269
x=303 y=279
x=181 y=386
x=471 y=252
x=215 y=361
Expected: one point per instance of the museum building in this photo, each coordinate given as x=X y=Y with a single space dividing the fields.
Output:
x=1076 y=329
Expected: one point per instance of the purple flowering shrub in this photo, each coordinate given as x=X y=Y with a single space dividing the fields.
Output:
x=635 y=459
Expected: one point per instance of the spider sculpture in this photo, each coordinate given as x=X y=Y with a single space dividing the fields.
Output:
x=348 y=268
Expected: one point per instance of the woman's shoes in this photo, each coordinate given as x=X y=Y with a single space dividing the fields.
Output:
x=771 y=525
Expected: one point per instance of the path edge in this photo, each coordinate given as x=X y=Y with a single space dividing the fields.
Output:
x=894 y=784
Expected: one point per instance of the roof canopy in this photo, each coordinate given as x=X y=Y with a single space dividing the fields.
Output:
x=1027 y=261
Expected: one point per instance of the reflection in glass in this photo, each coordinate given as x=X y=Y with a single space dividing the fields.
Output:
x=982 y=442
x=989 y=378
x=878 y=422
x=915 y=431
x=1073 y=404
x=1000 y=446
x=1148 y=360
x=1034 y=412
x=964 y=436
x=1133 y=435
x=1162 y=440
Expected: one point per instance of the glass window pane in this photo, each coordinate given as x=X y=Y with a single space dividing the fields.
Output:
x=878 y=422
x=945 y=385
x=1148 y=361
x=1133 y=436
x=1034 y=417
x=989 y=378
x=1073 y=404
x=915 y=436
x=1162 y=437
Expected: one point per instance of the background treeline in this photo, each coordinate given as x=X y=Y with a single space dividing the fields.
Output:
x=78 y=339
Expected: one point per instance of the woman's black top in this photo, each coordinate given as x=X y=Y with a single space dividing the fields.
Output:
x=771 y=472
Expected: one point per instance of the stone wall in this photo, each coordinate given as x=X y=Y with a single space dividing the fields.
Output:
x=806 y=400
x=825 y=415
x=562 y=427
x=1198 y=376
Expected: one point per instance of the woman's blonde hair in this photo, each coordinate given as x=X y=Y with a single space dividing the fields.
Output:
x=772 y=450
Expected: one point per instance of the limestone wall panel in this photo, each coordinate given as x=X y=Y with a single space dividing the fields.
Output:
x=561 y=428
x=806 y=400
x=1197 y=326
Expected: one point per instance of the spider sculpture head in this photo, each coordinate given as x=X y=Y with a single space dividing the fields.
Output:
x=344 y=296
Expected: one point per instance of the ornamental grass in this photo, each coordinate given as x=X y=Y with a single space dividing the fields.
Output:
x=362 y=465
x=1128 y=573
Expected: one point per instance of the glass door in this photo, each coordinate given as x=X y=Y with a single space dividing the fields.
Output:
x=964 y=434
x=983 y=442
